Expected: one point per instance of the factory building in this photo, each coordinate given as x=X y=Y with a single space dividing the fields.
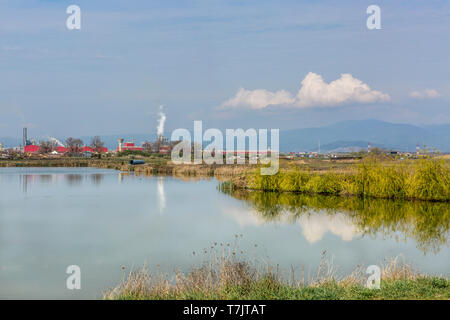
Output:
x=128 y=146
x=161 y=145
x=164 y=149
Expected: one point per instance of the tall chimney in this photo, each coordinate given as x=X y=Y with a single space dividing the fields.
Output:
x=25 y=138
x=368 y=147
x=120 y=144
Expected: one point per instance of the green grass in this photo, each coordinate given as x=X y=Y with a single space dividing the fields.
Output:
x=266 y=289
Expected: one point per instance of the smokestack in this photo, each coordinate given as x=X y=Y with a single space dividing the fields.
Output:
x=24 y=138
x=417 y=149
x=120 y=144
x=368 y=147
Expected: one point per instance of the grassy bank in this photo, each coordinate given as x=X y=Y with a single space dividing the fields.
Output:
x=105 y=162
x=229 y=279
x=424 y=179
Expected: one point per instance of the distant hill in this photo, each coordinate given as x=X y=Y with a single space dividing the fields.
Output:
x=348 y=146
x=403 y=137
x=344 y=135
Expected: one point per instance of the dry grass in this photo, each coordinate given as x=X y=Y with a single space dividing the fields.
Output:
x=227 y=277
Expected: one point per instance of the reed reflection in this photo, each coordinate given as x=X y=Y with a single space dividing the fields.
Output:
x=426 y=222
x=97 y=178
x=73 y=179
x=29 y=179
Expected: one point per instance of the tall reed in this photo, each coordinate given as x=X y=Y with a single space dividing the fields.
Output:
x=425 y=179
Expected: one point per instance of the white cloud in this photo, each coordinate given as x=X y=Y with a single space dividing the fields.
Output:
x=259 y=98
x=244 y=218
x=346 y=89
x=315 y=226
x=314 y=92
x=425 y=94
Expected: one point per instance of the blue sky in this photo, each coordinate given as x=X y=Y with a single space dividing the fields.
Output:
x=193 y=56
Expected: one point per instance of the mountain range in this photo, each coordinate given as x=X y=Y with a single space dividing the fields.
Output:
x=358 y=133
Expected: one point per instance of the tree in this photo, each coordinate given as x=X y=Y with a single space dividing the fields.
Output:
x=74 y=145
x=47 y=146
x=97 y=144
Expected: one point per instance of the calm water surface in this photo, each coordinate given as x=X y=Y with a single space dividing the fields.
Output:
x=101 y=220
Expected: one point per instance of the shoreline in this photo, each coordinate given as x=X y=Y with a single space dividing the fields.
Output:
x=424 y=180
x=151 y=167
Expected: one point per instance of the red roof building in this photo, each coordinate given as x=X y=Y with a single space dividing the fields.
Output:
x=60 y=149
x=85 y=148
x=31 y=149
x=130 y=146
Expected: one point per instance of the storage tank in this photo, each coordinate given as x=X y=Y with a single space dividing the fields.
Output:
x=136 y=162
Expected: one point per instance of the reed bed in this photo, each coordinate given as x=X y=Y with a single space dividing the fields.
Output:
x=425 y=179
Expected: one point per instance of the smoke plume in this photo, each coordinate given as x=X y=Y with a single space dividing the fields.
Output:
x=59 y=143
x=161 y=121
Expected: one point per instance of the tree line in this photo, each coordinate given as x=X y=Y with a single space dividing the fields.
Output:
x=73 y=145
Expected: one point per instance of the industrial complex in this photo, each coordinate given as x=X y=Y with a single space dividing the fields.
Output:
x=53 y=146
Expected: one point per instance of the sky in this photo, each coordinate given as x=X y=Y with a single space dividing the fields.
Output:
x=232 y=64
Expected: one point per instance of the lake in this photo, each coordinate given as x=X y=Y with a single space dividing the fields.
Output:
x=104 y=220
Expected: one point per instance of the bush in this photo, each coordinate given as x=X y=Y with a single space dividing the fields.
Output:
x=430 y=180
